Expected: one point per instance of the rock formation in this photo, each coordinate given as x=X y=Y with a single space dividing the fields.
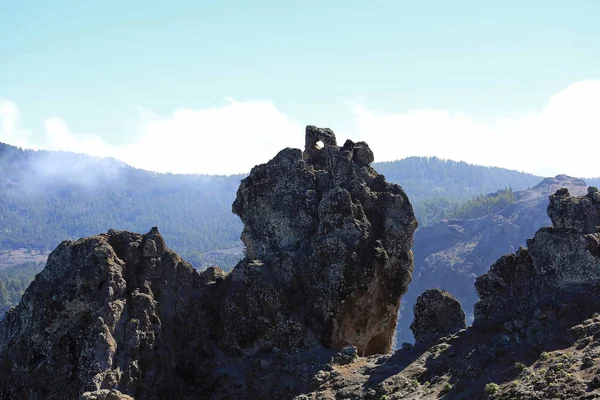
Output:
x=536 y=333
x=450 y=254
x=118 y=316
x=558 y=273
x=334 y=236
x=437 y=314
x=327 y=259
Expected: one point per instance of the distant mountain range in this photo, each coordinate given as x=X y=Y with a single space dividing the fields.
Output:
x=47 y=197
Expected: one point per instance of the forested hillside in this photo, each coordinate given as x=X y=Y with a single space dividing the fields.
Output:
x=426 y=177
x=47 y=197
x=13 y=282
x=438 y=187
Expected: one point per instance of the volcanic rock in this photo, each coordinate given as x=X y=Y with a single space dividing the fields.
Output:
x=119 y=314
x=334 y=236
x=558 y=273
x=437 y=314
x=451 y=254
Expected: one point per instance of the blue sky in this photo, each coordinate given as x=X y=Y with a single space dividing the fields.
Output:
x=107 y=77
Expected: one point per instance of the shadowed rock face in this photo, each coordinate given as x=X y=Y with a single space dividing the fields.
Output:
x=327 y=260
x=437 y=314
x=536 y=333
x=558 y=274
x=450 y=254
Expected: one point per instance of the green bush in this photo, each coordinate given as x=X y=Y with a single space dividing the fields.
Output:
x=492 y=388
x=519 y=366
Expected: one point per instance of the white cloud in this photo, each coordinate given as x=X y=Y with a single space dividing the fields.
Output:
x=222 y=140
x=563 y=137
x=10 y=131
x=228 y=139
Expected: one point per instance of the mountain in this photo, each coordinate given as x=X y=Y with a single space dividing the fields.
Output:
x=450 y=254
x=46 y=197
x=309 y=312
x=427 y=177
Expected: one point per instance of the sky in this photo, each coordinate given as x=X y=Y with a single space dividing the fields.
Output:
x=218 y=87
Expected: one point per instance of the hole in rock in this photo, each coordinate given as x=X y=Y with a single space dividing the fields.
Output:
x=377 y=345
x=319 y=145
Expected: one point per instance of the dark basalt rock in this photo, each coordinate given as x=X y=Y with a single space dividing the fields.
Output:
x=451 y=254
x=536 y=333
x=557 y=275
x=334 y=236
x=327 y=259
x=437 y=314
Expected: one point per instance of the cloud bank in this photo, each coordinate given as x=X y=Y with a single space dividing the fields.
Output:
x=562 y=137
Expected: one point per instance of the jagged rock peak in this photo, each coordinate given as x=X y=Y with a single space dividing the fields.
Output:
x=335 y=236
x=558 y=275
x=437 y=314
x=580 y=214
x=320 y=144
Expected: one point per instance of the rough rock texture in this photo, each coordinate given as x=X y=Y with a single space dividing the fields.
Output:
x=114 y=311
x=559 y=272
x=327 y=259
x=536 y=333
x=437 y=314
x=450 y=254
x=334 y=236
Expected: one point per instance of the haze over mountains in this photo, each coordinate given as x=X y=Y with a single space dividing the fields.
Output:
x=47 y=197
x=51 y=196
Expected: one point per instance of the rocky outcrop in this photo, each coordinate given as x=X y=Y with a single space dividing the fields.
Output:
x=558 y=273
x=327 y=259
x=114 y=311
x=536 y=333
x=450 y=254
x=437 y=314
x=334 y=236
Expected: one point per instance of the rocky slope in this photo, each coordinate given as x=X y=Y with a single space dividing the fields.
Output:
x=327 y=260
x=450 y=254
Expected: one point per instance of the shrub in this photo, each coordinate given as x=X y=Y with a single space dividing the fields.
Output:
x=492 y=388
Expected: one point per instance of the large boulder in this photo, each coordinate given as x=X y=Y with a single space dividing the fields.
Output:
x=437 y=314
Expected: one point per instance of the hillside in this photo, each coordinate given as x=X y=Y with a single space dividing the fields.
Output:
x=427 y=177
x=47 y=197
